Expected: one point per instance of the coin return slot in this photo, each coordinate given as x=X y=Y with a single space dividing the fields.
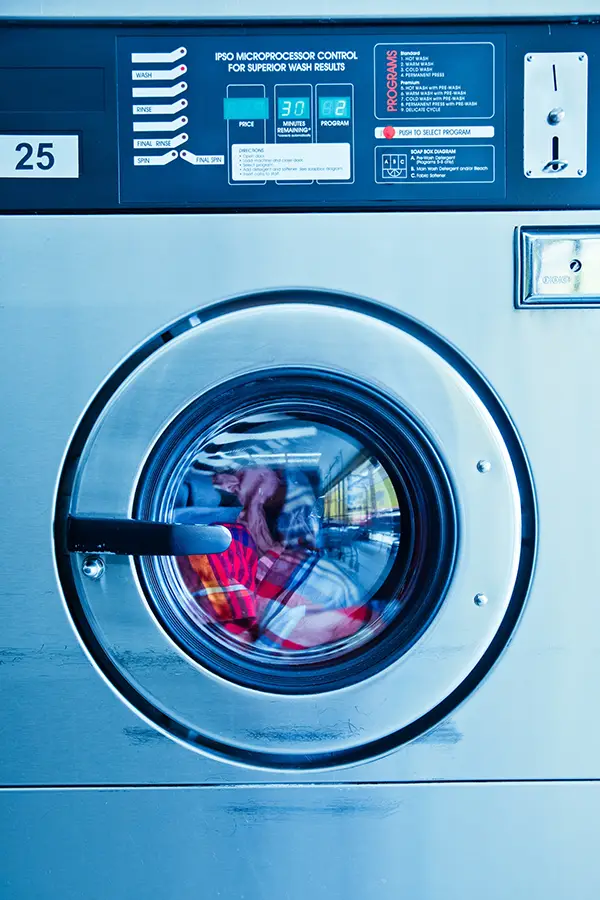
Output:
x=555 y=164
x=555 y=155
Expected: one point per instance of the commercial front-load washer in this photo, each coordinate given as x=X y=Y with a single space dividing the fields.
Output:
x=299 y=375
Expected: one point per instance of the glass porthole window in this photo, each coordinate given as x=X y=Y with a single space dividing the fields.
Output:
x=342 y=524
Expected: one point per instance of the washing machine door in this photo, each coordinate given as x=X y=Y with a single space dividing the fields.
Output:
x=297 y=532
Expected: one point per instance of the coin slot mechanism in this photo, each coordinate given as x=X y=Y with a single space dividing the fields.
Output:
x=555 y=115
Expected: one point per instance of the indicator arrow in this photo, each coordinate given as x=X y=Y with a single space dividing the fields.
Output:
x=162 y=143
x=159 y=109
x=162 y=160
x=202 y=160
x=159 y=57
x=173 y=125
x=159 y=91
x=158 y=74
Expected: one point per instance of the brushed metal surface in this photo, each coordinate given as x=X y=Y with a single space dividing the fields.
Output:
x=423 y=842
x=559 y=267
x=66 y=321
x=221 y=9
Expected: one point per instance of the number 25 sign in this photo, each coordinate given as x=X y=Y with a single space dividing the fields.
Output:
x=39 y=156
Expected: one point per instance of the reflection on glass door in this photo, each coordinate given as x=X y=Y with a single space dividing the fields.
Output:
x=315 y=521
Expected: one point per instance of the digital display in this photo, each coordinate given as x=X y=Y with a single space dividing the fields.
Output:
x=334 y=107
x=246 y=108
x=293 y=107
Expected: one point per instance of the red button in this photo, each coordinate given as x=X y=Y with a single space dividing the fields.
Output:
x=389 y=131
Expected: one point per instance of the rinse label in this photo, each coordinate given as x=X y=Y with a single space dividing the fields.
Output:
x=434 y=80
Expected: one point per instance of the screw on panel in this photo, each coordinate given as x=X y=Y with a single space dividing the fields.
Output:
x=580 y=172
x=93 y=567
x=581 y=57
x=484 y=465
x=528 y=173
x=575 y=265
x=555 y=115
x=529 y=58
x=480 y=599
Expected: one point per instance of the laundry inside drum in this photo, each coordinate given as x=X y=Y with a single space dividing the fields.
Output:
x=317 y=527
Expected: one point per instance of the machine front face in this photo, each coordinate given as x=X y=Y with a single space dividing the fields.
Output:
x=299 y=369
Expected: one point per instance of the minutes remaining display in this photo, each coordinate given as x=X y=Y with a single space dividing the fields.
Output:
x=293 y=107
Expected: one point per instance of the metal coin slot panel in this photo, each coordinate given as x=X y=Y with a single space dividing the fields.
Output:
x=555 y=108
x=559 y=268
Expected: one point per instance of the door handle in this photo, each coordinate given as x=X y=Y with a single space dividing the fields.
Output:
x=133 y=537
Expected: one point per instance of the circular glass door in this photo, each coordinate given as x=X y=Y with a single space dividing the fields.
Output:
x=295 y=553
x=342 y=532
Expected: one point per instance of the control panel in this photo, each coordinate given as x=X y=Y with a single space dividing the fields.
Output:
x=283 y=117
x=271 y=116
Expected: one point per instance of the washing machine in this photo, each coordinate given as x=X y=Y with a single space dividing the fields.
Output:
x=300 y=381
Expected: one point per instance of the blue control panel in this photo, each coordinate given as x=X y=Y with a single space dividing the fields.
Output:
x=280 y=116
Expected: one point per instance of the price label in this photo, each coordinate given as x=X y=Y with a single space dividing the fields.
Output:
x=39 y=156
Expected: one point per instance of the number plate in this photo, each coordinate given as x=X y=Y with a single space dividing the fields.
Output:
x=39 y=156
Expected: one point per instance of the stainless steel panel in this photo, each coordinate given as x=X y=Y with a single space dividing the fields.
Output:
x=220 y=9
x=559 y=268
x=555 y=113
x=62 y=724
x=422 y=842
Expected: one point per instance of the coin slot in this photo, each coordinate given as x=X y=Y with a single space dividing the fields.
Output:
x=555 y=156
x=554 y=77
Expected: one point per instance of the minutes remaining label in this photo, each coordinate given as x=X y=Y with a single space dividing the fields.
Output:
x=39 y=156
